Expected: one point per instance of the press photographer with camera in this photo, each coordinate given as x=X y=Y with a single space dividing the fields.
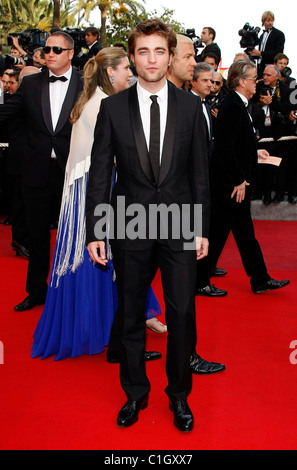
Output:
x=271 y=42
x=208 y=36
x=91 y=38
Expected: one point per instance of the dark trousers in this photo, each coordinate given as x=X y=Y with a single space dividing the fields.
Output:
x=19 y=229
x=135 y=271
x=229 y=216
x=39 y=203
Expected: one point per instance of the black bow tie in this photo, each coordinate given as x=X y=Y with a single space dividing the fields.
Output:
x=267 y=30
x=53 y=79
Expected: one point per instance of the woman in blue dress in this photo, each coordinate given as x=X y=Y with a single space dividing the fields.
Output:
x=82 y=298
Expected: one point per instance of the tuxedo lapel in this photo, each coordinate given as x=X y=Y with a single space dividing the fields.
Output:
x=139 y=133
x=169 y=134
x=68 y=102
x=45 y=103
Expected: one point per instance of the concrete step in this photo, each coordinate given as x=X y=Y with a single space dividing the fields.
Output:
x=274 y=211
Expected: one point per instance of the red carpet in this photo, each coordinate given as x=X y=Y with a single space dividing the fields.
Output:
x=73 y=404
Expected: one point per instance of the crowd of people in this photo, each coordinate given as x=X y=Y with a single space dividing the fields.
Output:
x=61 y=159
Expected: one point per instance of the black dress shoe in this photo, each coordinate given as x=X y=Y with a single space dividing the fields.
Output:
x=219 y=272
x=183 y=417
x=272 y=284
x=211 y=291
x=200 y=366
x=129 y=413
x=267 y=199
x=279 y=197
x=7 y=221
x=20 y=250
x=113 y=357
x=292 y=199
x=27 y=304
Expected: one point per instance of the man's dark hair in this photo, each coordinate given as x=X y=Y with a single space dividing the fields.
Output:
x=213 y=56
x=91 y=29
x=149 y=27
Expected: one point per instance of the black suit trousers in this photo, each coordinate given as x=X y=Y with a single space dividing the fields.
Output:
x=39 y=204
x=135 y=271
x=229 y=216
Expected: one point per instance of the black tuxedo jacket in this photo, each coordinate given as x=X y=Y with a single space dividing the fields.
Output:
x=183 y=176
x=213 y=48
x=80 y=62
x=31 y=101
x=275 y=44
x=235 y=146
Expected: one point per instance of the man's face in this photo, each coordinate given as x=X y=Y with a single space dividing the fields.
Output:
x=13 y=85
x=211 y=62
x=58 y=63
x=282 y=63
x=205 y=36
x=151 y=58
x=250 y=83
x=202 y=85
x=183 y=61
x=90 y=38
x=270 y=77
x=37 y=60
x=268 y=24
x=217 y=83
x=5 y=81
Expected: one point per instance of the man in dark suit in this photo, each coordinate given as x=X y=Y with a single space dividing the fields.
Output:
x=272 y=41
x=208 y=36
x=45 y=101
x=233 y=161
x=148 y=177
x=93 y=45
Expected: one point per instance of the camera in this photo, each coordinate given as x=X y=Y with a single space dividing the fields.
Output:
x=10 y=60
x=250 y=38
x=265 y=91
x=196 y=40
x=29 y=39
x=78 y=37
x=286 y=72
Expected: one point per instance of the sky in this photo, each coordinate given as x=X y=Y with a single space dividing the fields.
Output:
x=227 y=18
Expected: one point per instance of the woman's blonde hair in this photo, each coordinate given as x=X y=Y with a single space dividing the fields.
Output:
x=95 y=74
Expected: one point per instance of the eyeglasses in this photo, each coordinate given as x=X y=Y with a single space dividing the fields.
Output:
x=217 y=82
x=254 y=78
x=56 y=49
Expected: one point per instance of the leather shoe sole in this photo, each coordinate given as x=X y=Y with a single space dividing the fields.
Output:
x=128 y=415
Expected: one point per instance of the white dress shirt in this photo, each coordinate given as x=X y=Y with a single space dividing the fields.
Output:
x=57 y=94
x=145 y=108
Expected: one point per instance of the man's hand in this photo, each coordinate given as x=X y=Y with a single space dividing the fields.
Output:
x=240 y=191
x=255 y=53
x=201 y=247
x=263 y=154
x=93 y=248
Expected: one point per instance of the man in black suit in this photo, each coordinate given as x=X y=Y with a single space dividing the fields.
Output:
x=208 y=36
x=93 y=45
x=233 y=161
x=135 y=125
x=45 y=101
x=272 y=41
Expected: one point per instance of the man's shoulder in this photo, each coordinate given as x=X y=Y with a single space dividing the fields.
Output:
x=277 y=32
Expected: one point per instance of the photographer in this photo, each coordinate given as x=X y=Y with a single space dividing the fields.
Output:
x=2 y=62
x=92 y=42
x=19 y=58
x=208 y=36
x=274 y=98
x=271 y=42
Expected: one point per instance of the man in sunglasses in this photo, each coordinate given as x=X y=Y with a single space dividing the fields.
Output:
x=45 y=101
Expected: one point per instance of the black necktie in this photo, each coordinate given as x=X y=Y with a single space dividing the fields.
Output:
x=154 y=148
x=53 y=79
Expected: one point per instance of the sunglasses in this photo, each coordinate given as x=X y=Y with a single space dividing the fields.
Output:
x=56 y=50
x=217 y=82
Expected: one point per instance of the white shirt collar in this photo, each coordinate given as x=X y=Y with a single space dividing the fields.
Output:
x=66 y=74
x=145 y=95
x=244 y=99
